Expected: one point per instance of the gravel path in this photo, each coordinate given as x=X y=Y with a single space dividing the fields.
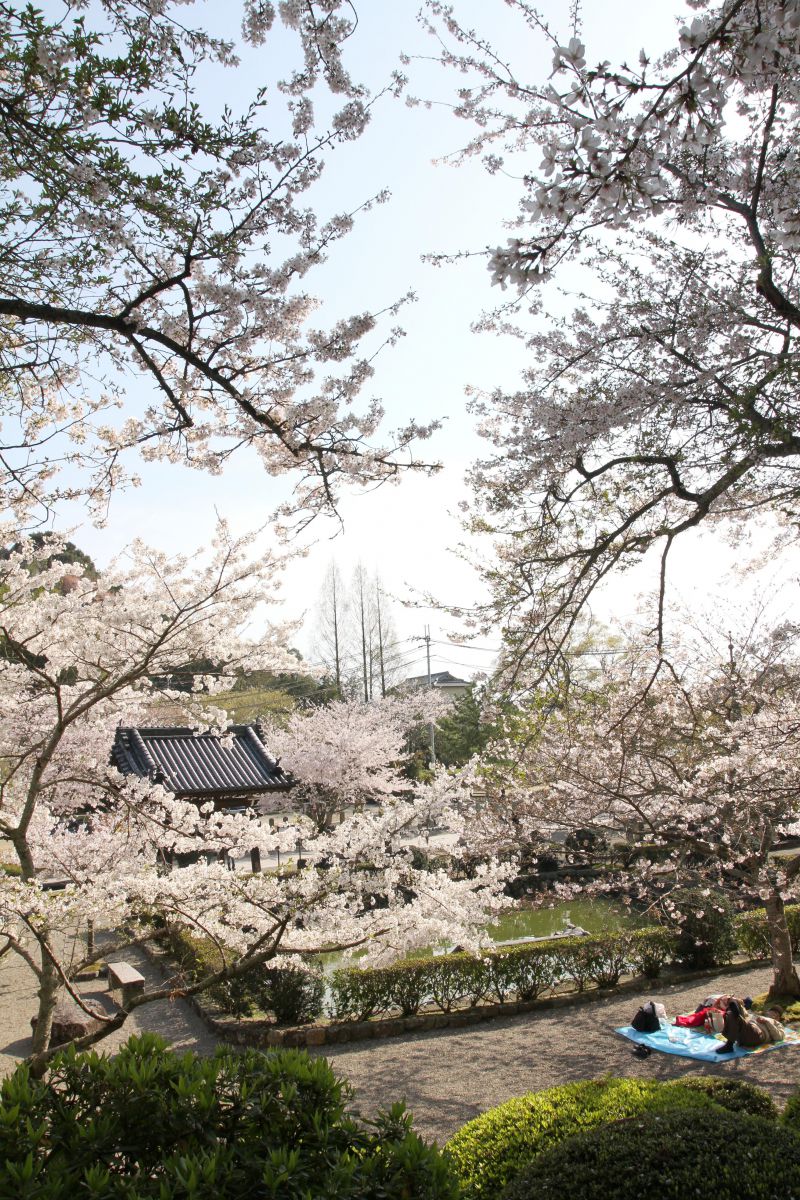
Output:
x=177 y=1023
x=446 y=1078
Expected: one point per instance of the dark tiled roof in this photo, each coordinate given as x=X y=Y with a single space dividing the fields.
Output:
x=200 y=765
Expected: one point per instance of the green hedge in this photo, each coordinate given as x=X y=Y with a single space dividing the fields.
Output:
x=671 y=1155
x=295 y=996
x=528 y=970
x=150 y=1124
x=737 y=1095
x=752 y=936
x=523 y=972
x=490 y=1151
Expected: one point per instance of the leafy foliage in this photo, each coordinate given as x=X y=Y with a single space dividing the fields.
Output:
x=151 y=1123
x=736 y=1095
x=522 y=972
x=491 y=1151
x=706 y=935
x=293 y=994
x=669 y=1154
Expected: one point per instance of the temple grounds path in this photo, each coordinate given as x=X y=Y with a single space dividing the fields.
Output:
x=448 y=1077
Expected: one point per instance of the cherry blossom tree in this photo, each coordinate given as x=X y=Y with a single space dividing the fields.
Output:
x=697 y=756
x=156 y=244
x=76 y=663
x=656 y=249
x=349 y=752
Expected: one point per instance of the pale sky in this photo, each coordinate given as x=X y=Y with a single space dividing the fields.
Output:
x=406 y=532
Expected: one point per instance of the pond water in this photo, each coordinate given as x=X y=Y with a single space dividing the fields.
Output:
x=595 y=916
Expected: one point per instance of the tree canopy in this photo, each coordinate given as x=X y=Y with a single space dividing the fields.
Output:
x=660 y=198
x=156 y=245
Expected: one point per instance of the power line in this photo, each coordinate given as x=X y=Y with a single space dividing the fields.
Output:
x=466 y=646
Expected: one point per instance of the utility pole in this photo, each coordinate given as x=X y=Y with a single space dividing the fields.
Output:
x=427 y=639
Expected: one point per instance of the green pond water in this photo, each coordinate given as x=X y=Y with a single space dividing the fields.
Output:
x=595 y=916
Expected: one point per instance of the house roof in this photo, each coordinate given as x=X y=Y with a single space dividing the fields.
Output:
x=438 y=679
x=200 y=765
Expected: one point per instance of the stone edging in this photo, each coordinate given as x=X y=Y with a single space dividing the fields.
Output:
x=266 y=1033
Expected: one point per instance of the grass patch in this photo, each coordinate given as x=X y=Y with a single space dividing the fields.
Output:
x=244 y=707
x=789 y=1004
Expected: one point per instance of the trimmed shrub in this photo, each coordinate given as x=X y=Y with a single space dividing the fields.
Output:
x=706 y=935
x=734 y=1094
x=408 y=984
x=293 y=994
x=524 y=971
x=650 y=950
x=456 y=981
x=580 y=959
x=672 y=1155
x=356 y=994
x=791 y=1112
x=585 y=845
x=150 y=1123
x=545 y=862
x=490 y=1151
x=752 y=935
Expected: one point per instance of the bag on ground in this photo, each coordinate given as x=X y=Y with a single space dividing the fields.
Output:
x=646 y=1020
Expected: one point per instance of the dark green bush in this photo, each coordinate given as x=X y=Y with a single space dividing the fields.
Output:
x=545 y=862
x=585 y=845
x=295 y=995
x=706 y=934
x=791 y=1112
x=150 y=1124
x=737 y=1095
x=672 y=1155
x=490 y=1151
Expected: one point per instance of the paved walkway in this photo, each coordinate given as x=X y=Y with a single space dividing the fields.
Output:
x=446 y=1078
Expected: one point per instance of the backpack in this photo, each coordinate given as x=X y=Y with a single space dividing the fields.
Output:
x=645 y=1020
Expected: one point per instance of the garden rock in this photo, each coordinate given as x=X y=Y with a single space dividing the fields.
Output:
x=70 y=1021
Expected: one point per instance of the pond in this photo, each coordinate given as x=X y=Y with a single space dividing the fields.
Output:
x=595 y=916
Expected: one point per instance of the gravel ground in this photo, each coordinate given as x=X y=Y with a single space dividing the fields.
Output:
x=177 y=1023
x=446 y=1078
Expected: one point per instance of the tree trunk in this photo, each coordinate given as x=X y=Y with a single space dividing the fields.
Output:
x=785 y=981
x=48 y=995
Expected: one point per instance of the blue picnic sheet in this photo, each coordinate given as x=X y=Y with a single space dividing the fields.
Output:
x=696 y=1043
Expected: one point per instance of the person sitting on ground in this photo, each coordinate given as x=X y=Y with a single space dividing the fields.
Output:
x=741 y=1029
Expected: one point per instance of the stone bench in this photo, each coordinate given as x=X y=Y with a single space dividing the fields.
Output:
x=124 y=978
